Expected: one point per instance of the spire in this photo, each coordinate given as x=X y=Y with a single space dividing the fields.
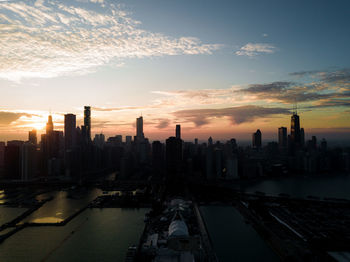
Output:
x=295 y=107
x=49 y=125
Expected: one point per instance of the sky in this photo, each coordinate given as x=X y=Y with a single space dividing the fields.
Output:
x=218 y=68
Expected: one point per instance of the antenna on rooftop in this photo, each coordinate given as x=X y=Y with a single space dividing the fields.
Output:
x=295 y=107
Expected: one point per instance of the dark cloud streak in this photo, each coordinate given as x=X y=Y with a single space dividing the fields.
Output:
x=238 y=115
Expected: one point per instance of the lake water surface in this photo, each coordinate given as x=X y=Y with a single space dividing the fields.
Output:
x=94 y=235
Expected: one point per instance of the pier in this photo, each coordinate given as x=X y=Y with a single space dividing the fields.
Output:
x=206 y=240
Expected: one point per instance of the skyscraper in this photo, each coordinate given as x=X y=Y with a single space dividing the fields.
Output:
x=49 y=125
x=295 y=129
x=173 y=155
x=128 y=140
x=157 y=157
x=2 y=154
x=282 y=137
x=69 y=131
x=257 y=139
x=28 y=161
x=139 y=128
x=178 y=131
x=302 y=137
x=87 y=122
x=32 y=137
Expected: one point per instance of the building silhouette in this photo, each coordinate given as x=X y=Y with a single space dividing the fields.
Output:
x=295 y=129
x=87 y=123
x=32 y=138
x=178 y=131
x=302 y=137
x=157 y=158
x=49 y=125
x=256 y=139
x=210 y=141
x=2 y=154
x=173 y=155
x=28 y=160
x=139 y=128
x=70 y=133
x=128 y=140
x=282 y=138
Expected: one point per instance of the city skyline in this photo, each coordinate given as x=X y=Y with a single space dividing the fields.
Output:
x=151 y=131
x=137 y=130
x=210 y=69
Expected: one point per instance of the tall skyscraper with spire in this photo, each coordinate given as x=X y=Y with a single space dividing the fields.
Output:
x=49 y=125
x=295 y=129
x=139 y=128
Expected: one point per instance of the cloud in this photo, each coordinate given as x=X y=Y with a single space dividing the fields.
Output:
x=331 y=76
x=254 y=49
x=268 y=88
x=163 y=123
x=339 y=76
x=51 y=38
x=334 y=102
x=288 y=92
x=238 y=115
x=201 y=96
x=9 y=117
x=110 y=109
x=304 y=73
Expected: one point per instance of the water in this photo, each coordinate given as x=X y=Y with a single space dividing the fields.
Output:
x=94 y=235
x=336 y=186
x=7 y=214
x=60 y=207
x=233 y=239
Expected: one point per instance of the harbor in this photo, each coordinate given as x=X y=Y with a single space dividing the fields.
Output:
x=280 y=227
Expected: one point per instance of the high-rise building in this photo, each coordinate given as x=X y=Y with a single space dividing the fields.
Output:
x=295 y=129
x=173 y=155
x=12 y=163
x=128 y=140
x=28 y=161
x=32 y=137
x=70 y=132
x=302 y=137
x=314 y=142
x=282 y=137
x=99 y=140
x=209 y=162
x=87 y=122
x=210 y=141
x=324 y=145
x=139 y=128
x=257 y=139
x=218 y=157
x=49 y=125
x=157 y=157
x=178 y=131
x=2 y=153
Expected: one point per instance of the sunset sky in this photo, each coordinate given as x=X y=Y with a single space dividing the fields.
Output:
x=219 y=68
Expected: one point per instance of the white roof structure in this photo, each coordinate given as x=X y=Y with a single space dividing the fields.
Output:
x=177 y=228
